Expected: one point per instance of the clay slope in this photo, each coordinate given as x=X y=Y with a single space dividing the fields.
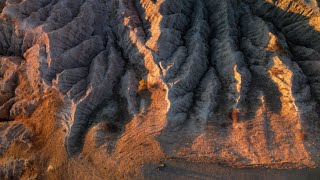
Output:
x=105 y=87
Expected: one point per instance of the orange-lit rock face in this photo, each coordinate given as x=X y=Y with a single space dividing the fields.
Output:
x=282 y=76
x=109 y=87
x=237 y=76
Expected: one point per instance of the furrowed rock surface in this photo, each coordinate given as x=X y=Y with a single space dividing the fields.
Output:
x=101 y=88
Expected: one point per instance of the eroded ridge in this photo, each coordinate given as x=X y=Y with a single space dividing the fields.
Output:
x=234 y=81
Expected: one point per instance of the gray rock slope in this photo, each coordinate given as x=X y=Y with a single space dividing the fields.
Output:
x=241 y=78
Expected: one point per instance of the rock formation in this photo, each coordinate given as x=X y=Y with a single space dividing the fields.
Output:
x=109 y=86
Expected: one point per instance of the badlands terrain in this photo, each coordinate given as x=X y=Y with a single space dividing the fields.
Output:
x=127 y=89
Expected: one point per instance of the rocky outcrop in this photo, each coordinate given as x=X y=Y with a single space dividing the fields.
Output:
x=232 y=82
x=14 y=169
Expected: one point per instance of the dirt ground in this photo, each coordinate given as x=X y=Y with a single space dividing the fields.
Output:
x=180 y=169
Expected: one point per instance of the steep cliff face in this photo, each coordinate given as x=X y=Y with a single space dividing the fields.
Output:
x=108 y=86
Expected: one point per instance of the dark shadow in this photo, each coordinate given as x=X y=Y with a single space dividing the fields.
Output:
x=146 y=25
x=4 y=120
x=2 y=4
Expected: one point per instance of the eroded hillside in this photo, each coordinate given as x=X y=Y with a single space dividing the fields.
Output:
x=101 y=88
